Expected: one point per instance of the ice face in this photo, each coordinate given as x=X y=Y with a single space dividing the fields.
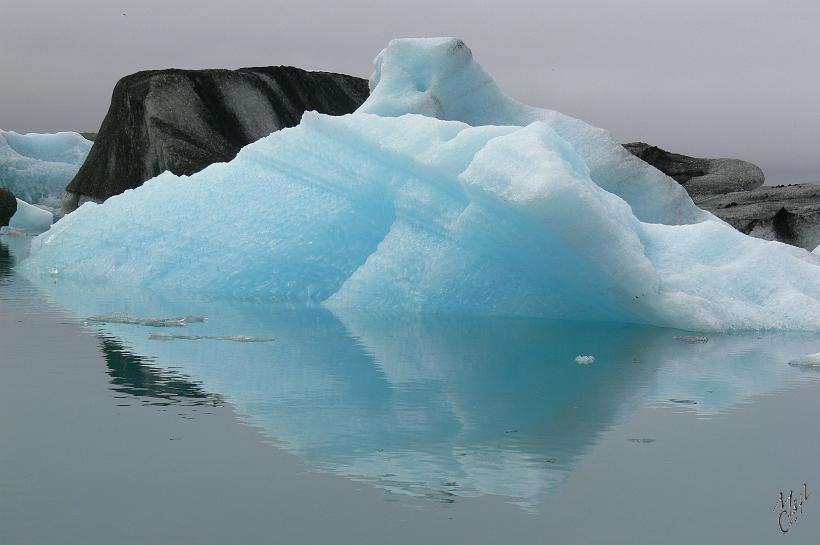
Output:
x=440 y=195
x=37 y=167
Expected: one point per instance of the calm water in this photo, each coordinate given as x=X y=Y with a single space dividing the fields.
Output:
x=343 y=428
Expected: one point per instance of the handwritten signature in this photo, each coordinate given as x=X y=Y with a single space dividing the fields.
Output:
x=787 y=512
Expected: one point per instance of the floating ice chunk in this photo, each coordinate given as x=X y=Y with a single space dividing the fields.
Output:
x=691 y=339
x=234 y=338
x=37 y=167
x=812 y=360
x=6 y=230
x=31 y=219
x=123 y=318
x=584 y=360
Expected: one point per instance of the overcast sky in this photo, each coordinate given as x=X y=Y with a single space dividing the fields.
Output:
x=714 y=78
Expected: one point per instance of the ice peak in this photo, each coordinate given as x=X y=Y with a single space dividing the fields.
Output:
x=422 y=76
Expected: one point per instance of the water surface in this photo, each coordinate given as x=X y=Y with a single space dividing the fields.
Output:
x=349 y=428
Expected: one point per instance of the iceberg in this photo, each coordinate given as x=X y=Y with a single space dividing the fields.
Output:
x=37 y=167
x=440 y=195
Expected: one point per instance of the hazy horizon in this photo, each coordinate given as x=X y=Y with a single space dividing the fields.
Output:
x=727 y=79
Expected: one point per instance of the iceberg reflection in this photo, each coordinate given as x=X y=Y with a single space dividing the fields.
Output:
x=437 y=407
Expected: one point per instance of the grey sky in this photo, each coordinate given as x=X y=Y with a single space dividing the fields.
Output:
x=736 y=78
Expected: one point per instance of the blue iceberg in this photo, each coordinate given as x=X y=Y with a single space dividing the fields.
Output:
x=37 y=167
x=440 y=195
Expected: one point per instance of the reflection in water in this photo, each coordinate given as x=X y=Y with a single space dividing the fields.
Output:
x=6 y=262
x=437 y=407
x=135 y=375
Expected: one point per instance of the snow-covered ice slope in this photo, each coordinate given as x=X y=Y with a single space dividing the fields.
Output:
x=37 y=167
x=441 y=195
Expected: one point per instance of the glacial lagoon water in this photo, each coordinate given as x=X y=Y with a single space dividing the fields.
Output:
x=272 y=424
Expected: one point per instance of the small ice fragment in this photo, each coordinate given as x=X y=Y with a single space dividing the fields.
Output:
x=684 y=401
x=584 y=360
x=234 y=338
x=691 y=339
x=643 y=440
x=812 y=360
x=31 y=219
x=55 y=271
x=123 y=318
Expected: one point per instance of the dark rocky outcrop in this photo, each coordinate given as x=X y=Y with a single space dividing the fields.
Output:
x=701 y=177
x=89 y=135
x=789 y=214
x=733 y=190
x=184 y=120
x=8 y=206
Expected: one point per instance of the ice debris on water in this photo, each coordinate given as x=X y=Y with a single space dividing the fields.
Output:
x=11 y=231
x=235 y=338
x=584 y=360
x=642 y=440
x=811 y=361
x=691 y=339
x=683 y=401
x=124 y=318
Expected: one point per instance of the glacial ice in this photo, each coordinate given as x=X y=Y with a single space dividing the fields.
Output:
x=440 y=195
x=30 y=219
x=37 y=167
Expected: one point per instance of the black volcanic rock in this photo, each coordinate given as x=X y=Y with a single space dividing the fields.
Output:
x=701 y=177
x=184 y=120
x=8 y=206
x=732 y=190
x=789 y=214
